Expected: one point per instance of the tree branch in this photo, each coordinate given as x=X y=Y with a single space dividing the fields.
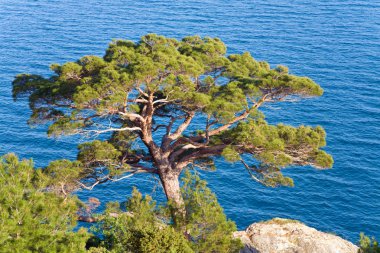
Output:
x=244 y=115
x=132 y=116
x=168 y=138
x=97 y=132
x=139 y=169
x=142 y=92
x=182 y=127
x=200 y=153
x=250 y=173
x=159 y=126
x=146 y=131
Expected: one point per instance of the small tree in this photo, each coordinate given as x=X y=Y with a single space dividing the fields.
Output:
x=169 y=104
x=206 y=224
x=139 y=229
x=145 y=228
x=32 y=219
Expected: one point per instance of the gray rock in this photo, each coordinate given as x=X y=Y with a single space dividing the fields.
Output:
x=290 y=236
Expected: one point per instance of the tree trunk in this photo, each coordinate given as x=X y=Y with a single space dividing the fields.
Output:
x=170 y=183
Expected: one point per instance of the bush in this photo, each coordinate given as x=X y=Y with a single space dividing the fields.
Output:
x=206 y=223
x=368 y=245
x=139 y=230
x=145 y=228
x=31 y=218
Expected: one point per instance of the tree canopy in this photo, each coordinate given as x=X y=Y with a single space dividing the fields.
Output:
x=160 y=104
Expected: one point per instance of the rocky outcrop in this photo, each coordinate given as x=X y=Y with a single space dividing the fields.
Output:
x=290 y=236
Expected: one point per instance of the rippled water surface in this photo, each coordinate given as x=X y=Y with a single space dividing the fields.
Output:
x=337 y=43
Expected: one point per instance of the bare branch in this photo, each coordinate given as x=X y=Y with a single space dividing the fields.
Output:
x=200 y=153
x=168 y=138
x=138 y=100
x=132 y=116
x=182 y=127
x=164 y=100
x=142 y=92
x=187 y=142
x=157 y=127
x=89 y=187
x=142 y=169
x=139 y=169
x=183 y=149
x=97 y=132
x=250 y=172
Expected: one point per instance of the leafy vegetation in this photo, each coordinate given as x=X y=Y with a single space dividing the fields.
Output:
x=147 y=228
x=206 y=224
x=139 y=230
x=368 y=245
x=32 y=219
x=159 y=106
x=141 y=100
x=37 y=218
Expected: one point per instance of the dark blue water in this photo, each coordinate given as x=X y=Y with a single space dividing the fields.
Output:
x=337 y=43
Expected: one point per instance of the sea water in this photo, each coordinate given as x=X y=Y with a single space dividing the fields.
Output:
x=337 y=43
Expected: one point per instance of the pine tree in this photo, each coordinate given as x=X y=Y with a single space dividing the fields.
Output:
x=160 y=105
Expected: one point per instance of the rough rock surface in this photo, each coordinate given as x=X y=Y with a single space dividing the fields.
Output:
x=290 y=236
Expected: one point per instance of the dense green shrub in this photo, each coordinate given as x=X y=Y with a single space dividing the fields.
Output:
x=146 y=228
x=31 y=218
x=139 y=230
x=35 y=219
x=368 y=245
x=206 y=223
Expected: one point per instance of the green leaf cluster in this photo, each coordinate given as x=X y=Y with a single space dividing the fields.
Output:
x=368 y=245
x=275 y=147
x=281 y=145
x=98 y=152
x=207 y=225
x=139 y=230
x=146 y=228
x=33 y=219
x=63 y=175
x=186 y=72
x=156 y=83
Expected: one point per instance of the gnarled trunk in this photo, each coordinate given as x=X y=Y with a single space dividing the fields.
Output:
x=170 y=183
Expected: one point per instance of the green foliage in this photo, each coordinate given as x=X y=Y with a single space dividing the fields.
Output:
x=139 y=230
x=230 y=154
x=144 y=227
x=63 y=175
x=185 y=71
x=31 y=218
x=276 y=147
x=368 y=245
x=206 y=224
x=97 y=152
x=64 y=125
x=98 y=250
x=160 y=83
x=273 y=177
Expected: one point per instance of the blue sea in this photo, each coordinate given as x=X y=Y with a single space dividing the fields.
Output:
x=337 y=43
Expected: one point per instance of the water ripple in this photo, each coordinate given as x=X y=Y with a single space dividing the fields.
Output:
x=335 y=42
